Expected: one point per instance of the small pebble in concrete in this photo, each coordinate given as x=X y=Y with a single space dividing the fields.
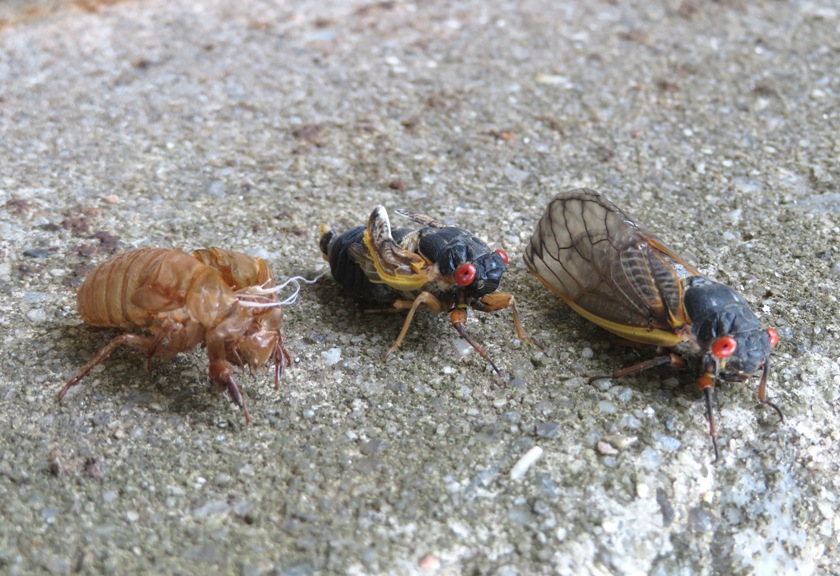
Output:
x=429 y=562
x=331 y=356
x=525 y=462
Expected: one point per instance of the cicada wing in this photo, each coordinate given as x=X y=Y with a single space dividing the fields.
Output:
x=420 y=218
x=397 y=267
x=587 y=251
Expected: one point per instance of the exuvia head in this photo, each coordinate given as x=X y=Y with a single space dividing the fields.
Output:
x=257 y=347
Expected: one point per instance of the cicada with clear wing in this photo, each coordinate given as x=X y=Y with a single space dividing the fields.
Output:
x=627 y=281
x=444 y=268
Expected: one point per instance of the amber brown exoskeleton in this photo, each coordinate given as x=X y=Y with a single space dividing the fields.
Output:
x=625 y=280
x=170 y=301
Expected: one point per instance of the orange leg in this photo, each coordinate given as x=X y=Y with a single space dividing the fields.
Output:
x=220 y=372
x=145 y=344
x=427 y=298
x=706 y=383
x=500 y=301
x=457 y=317
x=762 y=386
x=169 y=329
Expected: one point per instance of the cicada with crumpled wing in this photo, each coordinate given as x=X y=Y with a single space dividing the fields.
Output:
x=444 y=268
x=625 y=280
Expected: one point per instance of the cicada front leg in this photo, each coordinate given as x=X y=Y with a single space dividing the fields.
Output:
x=762 y=386
x=500 y=301
x=664 y=359
x=458 y=317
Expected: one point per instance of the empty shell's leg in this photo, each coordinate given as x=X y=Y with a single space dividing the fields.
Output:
x=143 y=343
x=222 y=374
x=169 y=330
x=280 y=354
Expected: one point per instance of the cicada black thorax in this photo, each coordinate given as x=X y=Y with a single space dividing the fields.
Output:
x=716 y=311
x=449 y=249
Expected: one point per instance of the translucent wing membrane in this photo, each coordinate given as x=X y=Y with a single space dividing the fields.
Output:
x=607 y=268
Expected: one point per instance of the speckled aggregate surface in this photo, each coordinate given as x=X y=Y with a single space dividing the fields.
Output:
x=247 y=124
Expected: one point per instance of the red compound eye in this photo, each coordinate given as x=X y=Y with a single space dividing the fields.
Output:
x=465 y=274
x=723 y=347
x=774 y=337
x=503 y=254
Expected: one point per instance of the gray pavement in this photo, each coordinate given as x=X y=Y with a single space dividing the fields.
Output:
x=247 y=124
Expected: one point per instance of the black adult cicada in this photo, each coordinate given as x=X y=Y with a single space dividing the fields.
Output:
x=615 y=274
x=444 y=268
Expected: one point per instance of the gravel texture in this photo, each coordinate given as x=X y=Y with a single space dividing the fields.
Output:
x=247 y=124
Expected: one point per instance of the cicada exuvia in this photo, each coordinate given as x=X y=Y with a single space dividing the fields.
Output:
x=169 y=302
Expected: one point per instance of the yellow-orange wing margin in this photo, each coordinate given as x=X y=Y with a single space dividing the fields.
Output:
x=385 y=261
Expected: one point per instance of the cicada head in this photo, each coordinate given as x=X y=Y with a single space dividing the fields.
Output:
x=465 y=265
x=481 y=275
x=749 y=352
x=727 y=331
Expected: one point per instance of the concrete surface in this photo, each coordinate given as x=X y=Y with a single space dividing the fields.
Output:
x=246 y=124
